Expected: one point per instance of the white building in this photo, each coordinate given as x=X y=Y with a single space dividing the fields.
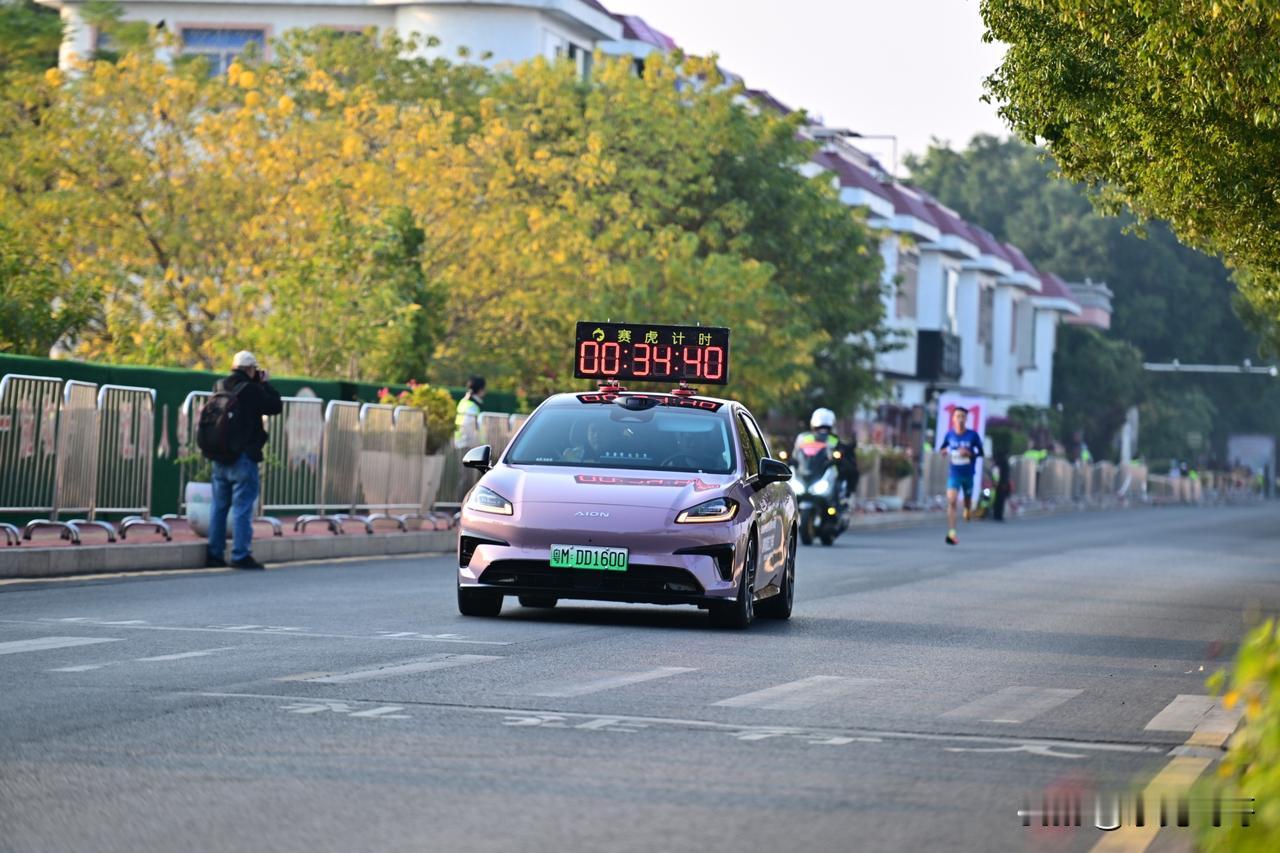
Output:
x=498 y=31
x=973 y=314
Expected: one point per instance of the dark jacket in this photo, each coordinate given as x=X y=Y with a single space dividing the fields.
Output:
x=256 y=400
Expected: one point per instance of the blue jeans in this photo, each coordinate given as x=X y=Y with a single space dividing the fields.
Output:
x=235 y=489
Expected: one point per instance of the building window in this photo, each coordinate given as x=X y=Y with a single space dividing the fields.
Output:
x=904 y=300
x=560 y=47
x=986 y=322
x=220 y=46
x=1024 y=320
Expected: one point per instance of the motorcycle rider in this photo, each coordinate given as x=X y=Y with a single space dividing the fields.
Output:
x=822 y=433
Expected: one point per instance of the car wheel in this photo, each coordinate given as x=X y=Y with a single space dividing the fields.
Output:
x=479 y=602
x=740 y=613
x=538 y=601
x=828 y=539
x=779 y=607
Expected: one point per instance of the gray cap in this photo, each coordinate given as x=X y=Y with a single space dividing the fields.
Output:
x=244 y=358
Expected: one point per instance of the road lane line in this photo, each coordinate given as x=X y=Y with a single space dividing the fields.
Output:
x=40 y=644
x=1189 y=761
x=184 y=655
x=433 y=638
x=795 y=695
x=1013 y=705
x=609 y=682
x=435 y=662
x=83 y=668
x=387 y=712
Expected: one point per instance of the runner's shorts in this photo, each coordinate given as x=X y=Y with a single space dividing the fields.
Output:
x=961 y=481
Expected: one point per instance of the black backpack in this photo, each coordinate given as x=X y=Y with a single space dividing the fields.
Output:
x=222 y=433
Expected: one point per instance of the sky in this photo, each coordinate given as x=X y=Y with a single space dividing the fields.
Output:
x=908 y=68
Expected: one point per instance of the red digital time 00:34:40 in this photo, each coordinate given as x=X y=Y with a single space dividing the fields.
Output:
x=651 y=352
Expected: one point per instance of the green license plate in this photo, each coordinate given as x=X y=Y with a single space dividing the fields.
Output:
x=589 y=557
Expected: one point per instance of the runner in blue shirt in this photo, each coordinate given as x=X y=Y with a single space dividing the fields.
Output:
x=962 y=446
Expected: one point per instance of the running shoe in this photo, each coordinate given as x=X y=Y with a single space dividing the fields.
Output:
x=951 y=538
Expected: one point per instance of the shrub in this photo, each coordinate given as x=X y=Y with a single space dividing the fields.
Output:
x=438 y=405
x=1252 y=764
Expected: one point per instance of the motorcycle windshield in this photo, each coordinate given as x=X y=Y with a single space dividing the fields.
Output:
x=811 y=466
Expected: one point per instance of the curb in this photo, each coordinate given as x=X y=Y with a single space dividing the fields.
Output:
x=27 y=562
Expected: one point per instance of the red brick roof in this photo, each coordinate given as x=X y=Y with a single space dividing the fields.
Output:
x=852 y=174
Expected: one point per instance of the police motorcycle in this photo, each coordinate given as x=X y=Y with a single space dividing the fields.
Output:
x=816 y=464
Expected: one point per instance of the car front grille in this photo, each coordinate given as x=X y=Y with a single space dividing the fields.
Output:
x=636 y=580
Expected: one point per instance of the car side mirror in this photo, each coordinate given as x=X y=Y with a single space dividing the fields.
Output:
x=478 y=458
x=772 y=471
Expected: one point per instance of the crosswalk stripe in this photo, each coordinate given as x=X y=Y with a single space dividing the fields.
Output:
x=797 y=694
x=40 y=644
x=609 y=682
x=1182 y=714
x=434 y=662
x=1013 y=704
x=184 y=655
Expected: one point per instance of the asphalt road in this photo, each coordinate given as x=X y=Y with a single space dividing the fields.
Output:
x=916 y=697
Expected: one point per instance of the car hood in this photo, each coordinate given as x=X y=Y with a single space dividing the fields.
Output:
x=596 y=487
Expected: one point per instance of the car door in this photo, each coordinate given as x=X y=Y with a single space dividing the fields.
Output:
x=771 y=501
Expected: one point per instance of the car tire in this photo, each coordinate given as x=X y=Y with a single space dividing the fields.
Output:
x=779 y=606
x=739 y=614
x=538 y=601
x=479 y=602
x=828 y=539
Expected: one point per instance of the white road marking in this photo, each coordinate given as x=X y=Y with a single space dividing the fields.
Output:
x=440 y=661
x=609 y=682
x=1013 y=705
x=184 y=655
x=1190 y=712
x=795 y=695
x=571 y=719
x=268 y=630
x=386 y=712
x=40 y=644
x=83 y=668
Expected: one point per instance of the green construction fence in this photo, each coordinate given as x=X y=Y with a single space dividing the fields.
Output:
x=172 y=385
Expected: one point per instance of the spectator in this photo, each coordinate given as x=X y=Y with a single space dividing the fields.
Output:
x=467 y=422
x=235 y=474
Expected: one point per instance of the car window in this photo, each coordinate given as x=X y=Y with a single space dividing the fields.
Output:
x=610 y=436
x=750 y=455
x=757 y=437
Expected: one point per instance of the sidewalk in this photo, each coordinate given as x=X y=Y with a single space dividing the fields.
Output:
x=48 y=556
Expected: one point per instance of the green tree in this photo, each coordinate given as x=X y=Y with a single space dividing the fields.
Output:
x=30 y=35
x=1095 y=379
x=1171 y=109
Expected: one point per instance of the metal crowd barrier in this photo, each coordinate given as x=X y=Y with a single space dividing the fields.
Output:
x=126 y=425
x=188 y=453
x=339 y=467
x=76 y=479
x=495 y=431
x=291 y=460
x=28 y=460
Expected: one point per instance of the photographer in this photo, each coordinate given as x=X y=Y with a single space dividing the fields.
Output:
x=232 y=436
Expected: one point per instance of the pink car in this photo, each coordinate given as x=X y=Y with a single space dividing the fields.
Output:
x=638 y=497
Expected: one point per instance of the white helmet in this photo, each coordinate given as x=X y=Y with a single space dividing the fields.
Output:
x=822 y=418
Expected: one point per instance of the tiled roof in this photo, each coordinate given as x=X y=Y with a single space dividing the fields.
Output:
x=988 y=244
x=851 y=174
x=1019 y=260
x=1054 y=287
x=909 y=202
x=764 y=99
x=635 y=28
x=948 y=221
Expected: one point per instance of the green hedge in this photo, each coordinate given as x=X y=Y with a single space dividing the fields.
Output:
x=172 y=386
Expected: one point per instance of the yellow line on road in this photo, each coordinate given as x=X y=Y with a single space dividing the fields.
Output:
x=1173 y=781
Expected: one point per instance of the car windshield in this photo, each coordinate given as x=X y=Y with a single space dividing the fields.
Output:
x=581 y=435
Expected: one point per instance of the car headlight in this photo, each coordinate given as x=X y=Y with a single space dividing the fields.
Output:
x=821 y=487
x=796 y=485
x=487 y=500
x=719 y=509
